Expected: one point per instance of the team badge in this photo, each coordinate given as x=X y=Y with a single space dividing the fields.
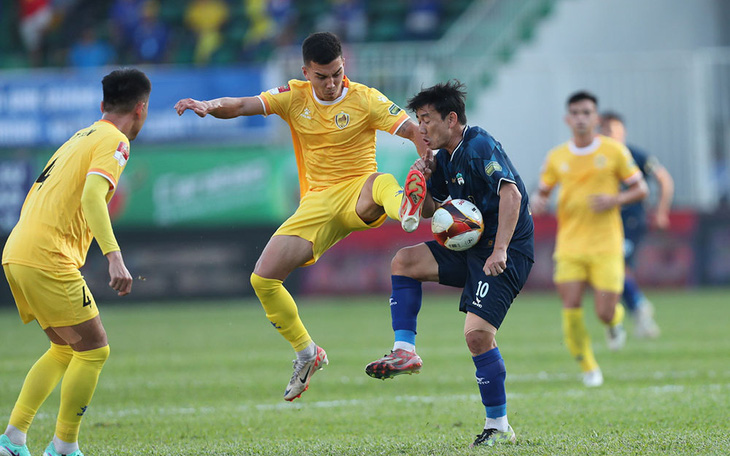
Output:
x=600 y=161
x=459 y=179
x=491 y=167
x=122 y=153
x=394 y=109
x=342 y=120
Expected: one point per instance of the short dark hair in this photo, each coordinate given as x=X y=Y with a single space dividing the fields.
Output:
x=321 y=48
x=123 y=89
x=444 y=97
x=612 y=115
x=580 y=96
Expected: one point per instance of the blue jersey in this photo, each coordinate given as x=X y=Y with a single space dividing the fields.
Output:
x=474 y=172
x=634 y=215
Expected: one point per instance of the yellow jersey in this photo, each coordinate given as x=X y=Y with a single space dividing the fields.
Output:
x=334 y=141
x=599 y=168
x=52 y=233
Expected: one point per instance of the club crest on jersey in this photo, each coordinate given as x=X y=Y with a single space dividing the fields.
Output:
x=394 y=109
x=122 y=153
x=459 y=179
x=491 y=167
x=601 y=161
x=342 y=120
x=281 y=89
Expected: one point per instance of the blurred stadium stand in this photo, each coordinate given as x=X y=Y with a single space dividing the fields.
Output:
x=519 y=59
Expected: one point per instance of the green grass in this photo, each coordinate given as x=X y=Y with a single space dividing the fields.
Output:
x=208 y=378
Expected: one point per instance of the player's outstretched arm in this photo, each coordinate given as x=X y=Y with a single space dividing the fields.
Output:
x=510 y=199
x=221 y=108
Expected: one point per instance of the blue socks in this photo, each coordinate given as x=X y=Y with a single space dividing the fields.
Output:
x=632 y=295
x=405 y=303
x=490 y=379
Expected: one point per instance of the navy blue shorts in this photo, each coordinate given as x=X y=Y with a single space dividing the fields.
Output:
x=487 y=296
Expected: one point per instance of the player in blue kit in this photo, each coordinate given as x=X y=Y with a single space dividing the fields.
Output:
x=470 y=164
x=635 y=223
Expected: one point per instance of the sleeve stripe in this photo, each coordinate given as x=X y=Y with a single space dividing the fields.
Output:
x=633 y=178
x=265 y=104
x=397 y=126
x=499 y=184
x=103 y=174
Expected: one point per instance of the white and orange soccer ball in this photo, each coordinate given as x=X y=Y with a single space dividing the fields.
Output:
x=457 y=224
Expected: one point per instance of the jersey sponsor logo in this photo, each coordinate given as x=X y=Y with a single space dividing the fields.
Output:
x=394 y=109
x=122 y=153
x=491 y=167
x=280 y=89
x=307 y=114
x=342 y=120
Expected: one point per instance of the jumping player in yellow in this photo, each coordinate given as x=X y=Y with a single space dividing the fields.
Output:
x=65 y=208
x=590 y=169
x=333 y=122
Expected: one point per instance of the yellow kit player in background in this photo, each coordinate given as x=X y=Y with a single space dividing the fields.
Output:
x=589 y=247
x=333 y=123
x=65 y=208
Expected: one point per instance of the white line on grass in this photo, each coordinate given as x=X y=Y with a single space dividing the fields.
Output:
x=657 y=390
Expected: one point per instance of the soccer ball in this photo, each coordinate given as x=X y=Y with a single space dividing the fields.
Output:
x=457 y=224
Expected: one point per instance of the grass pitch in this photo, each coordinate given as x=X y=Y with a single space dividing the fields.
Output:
x=207 y=378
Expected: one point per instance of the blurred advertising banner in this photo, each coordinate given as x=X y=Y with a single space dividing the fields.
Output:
x=46 y=107
x=199 y=186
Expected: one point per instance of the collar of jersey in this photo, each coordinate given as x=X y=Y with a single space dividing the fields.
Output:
x=345 y=86
x=463 y=135
x=587 y=150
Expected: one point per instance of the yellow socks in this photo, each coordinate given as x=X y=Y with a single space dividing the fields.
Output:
x=39 y=383
x=577 y=339
x=281 y=310
x=388 y=193
x=77 y=389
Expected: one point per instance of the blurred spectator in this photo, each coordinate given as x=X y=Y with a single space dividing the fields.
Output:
x=284 y=16
x=206 y=18
x=150 y=37
x=347 y=19
x=261 y=29
x=91 y=51
x=35 y=17
x=125 y=16
x=423 y=19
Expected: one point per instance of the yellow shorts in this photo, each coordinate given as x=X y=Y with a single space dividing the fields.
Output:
x=603 y=271
x=326 y=217
x=53 y=298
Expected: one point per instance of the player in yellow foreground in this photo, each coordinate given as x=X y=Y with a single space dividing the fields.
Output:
x=333 y=123
x=65 y=208
x=590 y=169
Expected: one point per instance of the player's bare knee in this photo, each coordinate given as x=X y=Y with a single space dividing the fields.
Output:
x=479 y=335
